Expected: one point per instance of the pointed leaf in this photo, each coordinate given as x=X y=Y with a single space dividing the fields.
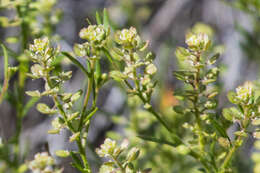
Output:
x=76 y=62
x=98 y=19
x=105 y=18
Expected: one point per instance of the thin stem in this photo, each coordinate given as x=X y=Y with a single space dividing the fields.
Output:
x=4 y=89
x=230 y=155
x=196 y=87
x=83 y=156
x=87 y=96
x=118 y=164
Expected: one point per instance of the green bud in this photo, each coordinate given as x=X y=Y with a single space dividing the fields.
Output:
x=151 y=69
x=76 y=96
x=74 y=137
x=35 y=93
x=95 y=34
x=117 y=75
x=62 y=153
x=133 y=154
x=44 y=109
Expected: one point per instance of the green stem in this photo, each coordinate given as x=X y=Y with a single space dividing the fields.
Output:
x=118 y=164
x=83 y=156
x=230 y=155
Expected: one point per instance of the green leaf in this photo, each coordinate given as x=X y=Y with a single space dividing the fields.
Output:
x=182 y=75
x=44 y=109
x=76 y=96
x=76 y=62
x=182 y=53
x=117 y=75
x=62 y=153
x=244 y=134
x=35 y=93
x=29 y=104
x=232 y=97
x=178 y=109
x=74 y=137
x=98 y=19
x=106 y=19
x=232 y=113
x=220 y=129
x=213 y=59
x=76 y=161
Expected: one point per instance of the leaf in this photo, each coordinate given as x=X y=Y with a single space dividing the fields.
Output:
x=44 y=109
x=182 y=53
x=156 y=140
x=90 y=114
x=76 y=62
x=117 y=75
x=232 y=113
x=62 y=153
x=77 y=163
x=213 y=59
x=243 y=134
x=220 y=129
x=74 y=137
x=35 y=93
x=29 y=104
x=98 y=19
x=178 y=109
x=232 y=97
x=76 y=96
x=106 y=19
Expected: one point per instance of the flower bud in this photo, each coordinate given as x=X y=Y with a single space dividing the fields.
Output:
x=198 y=41
x=133 y=154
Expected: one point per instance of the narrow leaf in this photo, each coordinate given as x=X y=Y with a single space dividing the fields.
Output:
x=220 y=129
x=105 y=18
x=29 y=104
x=76 y=62
x=98 y=19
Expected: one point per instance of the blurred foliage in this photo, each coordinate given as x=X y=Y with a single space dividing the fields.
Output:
x=22 y=20
x=168 y=130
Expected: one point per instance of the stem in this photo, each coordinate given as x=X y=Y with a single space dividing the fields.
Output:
x=118 y=164
x=87 y=96
x=83 y=156
x=196 y=87
x=230 y=155
x=4 y=89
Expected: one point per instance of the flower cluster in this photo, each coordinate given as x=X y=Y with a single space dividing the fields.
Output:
x=107 y=148
x=44 y=55
x=139 y=68
x=43 y=163
x=244 y=93
x=110 y=150
x=248 y=106
x=128 y=38
x=41 y=51
x=96 y=35
x=198 y=42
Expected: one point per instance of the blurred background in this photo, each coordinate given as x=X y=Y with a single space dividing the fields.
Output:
x=234 y=24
